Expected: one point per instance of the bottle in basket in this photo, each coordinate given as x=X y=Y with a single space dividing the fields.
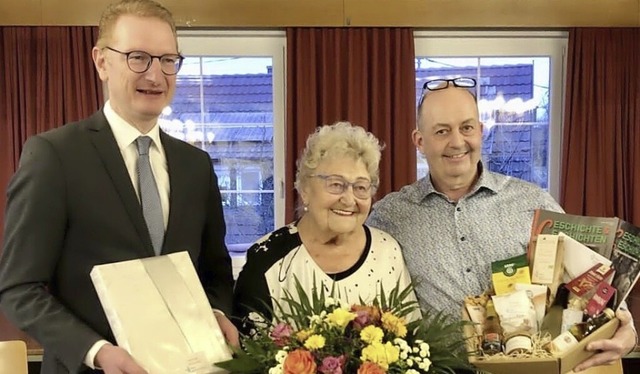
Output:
x=580 y=331
x=491 y=331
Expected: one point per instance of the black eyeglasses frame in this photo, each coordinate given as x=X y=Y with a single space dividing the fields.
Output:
x=179 y=57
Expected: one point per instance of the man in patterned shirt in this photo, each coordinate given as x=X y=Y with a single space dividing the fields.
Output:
x=453 y=223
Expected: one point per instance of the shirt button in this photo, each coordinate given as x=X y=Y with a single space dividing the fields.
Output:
x=458 y=209
x=468 y=270
x=463 y=239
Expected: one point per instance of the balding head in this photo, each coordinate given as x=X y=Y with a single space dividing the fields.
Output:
x=442 y=87
x=449 y=135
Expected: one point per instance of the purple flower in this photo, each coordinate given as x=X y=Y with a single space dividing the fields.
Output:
x=332 y=365
x=281 y=334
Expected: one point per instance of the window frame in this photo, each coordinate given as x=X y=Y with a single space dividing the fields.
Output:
x=263 y=43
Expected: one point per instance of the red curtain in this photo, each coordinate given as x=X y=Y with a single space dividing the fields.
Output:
x=600 y=172
x=47 y=79
x=601 y=159
x=362 y=75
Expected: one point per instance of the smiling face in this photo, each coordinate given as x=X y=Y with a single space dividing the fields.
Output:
x=336 y=214
x=450 y=137
x=139 y=98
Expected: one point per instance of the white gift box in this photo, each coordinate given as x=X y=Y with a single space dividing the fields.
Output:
x=159 y=313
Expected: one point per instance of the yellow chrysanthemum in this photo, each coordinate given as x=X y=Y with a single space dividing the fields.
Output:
x=314 y=342
x=381 y=354
x=394 y=324
x=302 y=335
x=371 y=334
x=340 y=317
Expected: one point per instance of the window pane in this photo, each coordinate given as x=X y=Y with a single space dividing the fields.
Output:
x=224 y=105
x=513 y=99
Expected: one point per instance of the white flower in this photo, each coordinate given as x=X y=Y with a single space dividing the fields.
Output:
x=425 y=364
x=330 y=301
x=424 y=347
x=401 y=343
x=411 y=371
x=404 y=355
x=280 y=356
x=276 y=369
x=409 y=362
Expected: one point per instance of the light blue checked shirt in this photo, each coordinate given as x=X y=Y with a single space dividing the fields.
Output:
x=449 y=246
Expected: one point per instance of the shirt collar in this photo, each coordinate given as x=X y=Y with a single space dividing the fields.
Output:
x=124 y=132
x=486 y=181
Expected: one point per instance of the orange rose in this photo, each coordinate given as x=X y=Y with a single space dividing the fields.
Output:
x=370 y=368
x=299 y=362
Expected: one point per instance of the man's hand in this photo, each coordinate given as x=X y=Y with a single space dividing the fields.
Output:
x=622 y=342
x=228 y=329
x=115 y=360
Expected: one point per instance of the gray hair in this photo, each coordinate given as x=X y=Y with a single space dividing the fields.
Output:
x=342 y=139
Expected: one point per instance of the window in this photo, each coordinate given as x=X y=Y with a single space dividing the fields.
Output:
x=230 y=102
x=520 y=80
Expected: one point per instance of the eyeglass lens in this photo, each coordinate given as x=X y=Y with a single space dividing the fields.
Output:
x=139 y=62
x=439 y=84
x=337 y=185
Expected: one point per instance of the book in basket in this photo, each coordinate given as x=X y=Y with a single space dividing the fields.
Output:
x=159 y=313
x=597 y=233
x=626 y=260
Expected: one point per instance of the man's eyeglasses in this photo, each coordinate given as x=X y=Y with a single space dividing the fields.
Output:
x=140 y=61
x=337 y=185
x=441 y=84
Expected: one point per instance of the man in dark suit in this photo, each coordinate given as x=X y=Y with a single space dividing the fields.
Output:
x=75 y=201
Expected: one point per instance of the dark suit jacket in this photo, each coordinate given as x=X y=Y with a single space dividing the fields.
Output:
x=71 y=205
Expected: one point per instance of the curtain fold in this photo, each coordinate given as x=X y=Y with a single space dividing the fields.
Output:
x=47 y=79
x=601 y=143
x=362 y=75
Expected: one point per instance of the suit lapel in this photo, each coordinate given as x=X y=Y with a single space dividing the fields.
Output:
x=103 y=140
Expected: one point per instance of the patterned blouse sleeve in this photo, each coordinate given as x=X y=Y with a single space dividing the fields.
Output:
x=251 y=293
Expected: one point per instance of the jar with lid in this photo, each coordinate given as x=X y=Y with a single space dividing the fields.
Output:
x=517 y=342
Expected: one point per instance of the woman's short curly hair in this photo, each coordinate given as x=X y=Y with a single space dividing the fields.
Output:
x=342 y=139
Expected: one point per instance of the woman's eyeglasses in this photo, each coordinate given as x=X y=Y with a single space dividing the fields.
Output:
x=337 y=185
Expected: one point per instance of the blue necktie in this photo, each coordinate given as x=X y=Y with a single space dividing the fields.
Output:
x=149 y=196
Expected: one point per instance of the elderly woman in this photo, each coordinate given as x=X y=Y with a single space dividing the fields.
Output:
x=329 y=245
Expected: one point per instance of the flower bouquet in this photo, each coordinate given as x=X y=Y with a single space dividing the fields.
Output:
x=318 y=334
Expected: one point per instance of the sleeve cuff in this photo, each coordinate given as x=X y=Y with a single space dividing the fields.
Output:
x=93 y=351
x=218 y=311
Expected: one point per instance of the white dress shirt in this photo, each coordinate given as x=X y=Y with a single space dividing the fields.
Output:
x=126 y=136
